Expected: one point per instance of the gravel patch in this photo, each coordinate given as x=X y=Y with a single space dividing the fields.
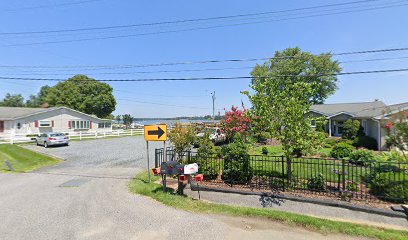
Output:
x=113 y=152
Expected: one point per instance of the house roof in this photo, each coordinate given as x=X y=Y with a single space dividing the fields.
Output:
x=362 y=109
x=10 y=113
x=16 y=112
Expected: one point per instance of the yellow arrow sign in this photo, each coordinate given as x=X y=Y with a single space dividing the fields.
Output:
x=155 y=132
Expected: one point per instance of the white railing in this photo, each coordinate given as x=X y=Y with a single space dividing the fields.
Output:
x=80 y=135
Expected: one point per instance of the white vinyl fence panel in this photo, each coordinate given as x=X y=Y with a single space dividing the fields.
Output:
x=24 y=138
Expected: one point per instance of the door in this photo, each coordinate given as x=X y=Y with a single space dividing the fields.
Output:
x=1 y=126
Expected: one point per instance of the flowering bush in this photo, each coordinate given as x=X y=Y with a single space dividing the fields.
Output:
x=235 y=121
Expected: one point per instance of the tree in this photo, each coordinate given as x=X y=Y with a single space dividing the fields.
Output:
x=351 y=129
x=118 y=118
x=127 y=120
x=182 y=138
x=318 y=70
x=283 y=96
x=10 y=100
x=235 y=121
x=83 y=94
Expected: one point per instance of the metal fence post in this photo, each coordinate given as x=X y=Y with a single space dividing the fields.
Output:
x=343 y=174
x=80 y=135
x=283 y=172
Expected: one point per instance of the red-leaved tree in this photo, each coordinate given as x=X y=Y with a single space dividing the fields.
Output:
x=235 y=121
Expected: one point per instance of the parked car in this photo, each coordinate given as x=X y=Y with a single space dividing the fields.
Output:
x=52 y=139
x=215 y=135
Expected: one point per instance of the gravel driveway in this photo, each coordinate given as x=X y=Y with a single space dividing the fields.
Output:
x=113 y=152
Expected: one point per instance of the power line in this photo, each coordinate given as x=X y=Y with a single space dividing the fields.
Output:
x=51 y=5
x=185 y=70
x=184 y=20
x=194 y=29
x=202 y=61
x=210 y=78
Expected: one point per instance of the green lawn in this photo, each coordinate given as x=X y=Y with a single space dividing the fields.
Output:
x=140 y=186
x=272 y=150
x=23 y=160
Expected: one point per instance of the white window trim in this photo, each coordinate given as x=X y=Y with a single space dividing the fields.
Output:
x=80 y=124
x=49 y=123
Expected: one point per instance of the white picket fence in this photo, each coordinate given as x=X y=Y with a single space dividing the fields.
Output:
x=24 y=138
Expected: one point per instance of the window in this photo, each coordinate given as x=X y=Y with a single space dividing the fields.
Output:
x=313 y=123
x=45 y=123
x=80 y=124
x=104 y=125
x=18 y=125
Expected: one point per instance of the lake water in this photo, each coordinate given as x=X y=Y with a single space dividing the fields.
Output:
x=171 y=122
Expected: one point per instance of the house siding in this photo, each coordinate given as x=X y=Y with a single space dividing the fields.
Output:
x=60 y=119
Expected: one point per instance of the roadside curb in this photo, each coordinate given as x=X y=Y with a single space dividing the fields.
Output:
x=370 y=210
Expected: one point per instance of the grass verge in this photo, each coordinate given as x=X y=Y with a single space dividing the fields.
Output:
x=23 y=160
x=139 y=185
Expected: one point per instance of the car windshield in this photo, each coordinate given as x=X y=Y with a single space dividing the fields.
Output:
x=56 y=135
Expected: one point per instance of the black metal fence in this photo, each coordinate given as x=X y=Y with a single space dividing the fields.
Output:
x=369 y=180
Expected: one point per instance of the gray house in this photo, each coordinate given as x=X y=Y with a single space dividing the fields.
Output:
x=20 y=121
x=370 y=114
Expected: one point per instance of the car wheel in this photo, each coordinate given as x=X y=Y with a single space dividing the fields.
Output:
x=66 y=144
x=36 y=142
x=45 y=144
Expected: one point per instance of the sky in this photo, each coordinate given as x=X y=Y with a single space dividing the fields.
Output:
x=341 y=28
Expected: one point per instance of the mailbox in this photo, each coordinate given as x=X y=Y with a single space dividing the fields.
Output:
x=156 y=171
x=191 y=168
x=199 y=178
x=182 y=178
x=171 y=168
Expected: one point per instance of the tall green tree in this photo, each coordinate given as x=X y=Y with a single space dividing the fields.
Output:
x=39 y=99
x=281 y=98
x=118 y=118
x=13 y=100
x=83 y=94
x=318 y=70
x=127 y=120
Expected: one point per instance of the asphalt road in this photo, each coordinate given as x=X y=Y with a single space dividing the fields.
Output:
x=86 y=197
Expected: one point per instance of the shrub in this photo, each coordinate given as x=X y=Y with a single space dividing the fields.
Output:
x=218 y=151
x=265 y=150
x=182 y=137
x=341 y=150
x=394 y=155
x=384 y=186
x=236 y=162
x=362 y=157
x=351 y=186
x=365 y=142
x=332 y=141
x=317 y=183
x=205 y=155
x=351 y=129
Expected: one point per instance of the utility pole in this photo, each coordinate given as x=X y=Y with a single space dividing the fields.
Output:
x=213 y=100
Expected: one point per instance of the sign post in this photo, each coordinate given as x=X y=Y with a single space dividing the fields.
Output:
x=154 y=133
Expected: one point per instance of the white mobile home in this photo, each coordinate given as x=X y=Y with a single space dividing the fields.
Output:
x=18 y=120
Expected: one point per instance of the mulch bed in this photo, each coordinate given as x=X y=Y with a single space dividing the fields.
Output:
x=370 y=201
